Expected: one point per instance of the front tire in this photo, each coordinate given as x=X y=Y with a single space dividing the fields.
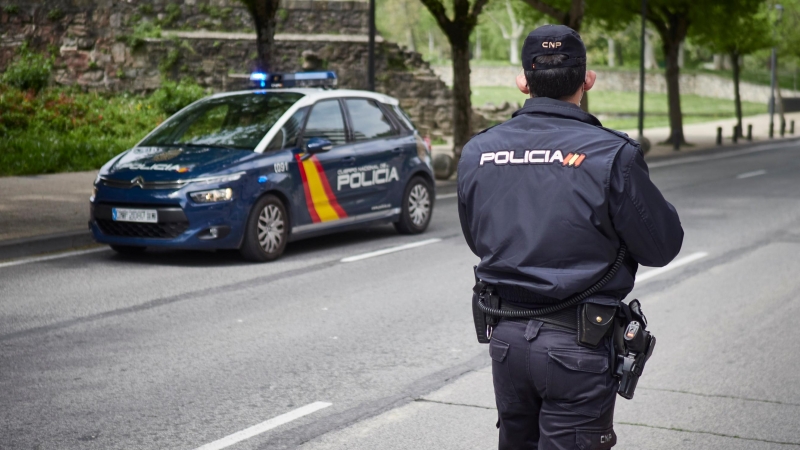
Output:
x=417 y=207
x=267 y=231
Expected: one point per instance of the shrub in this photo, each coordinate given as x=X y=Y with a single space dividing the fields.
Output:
x=29 y=71
x=171 y=97
x=64 y=129
x=141 y=31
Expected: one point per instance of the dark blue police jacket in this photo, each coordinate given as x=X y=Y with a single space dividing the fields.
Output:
x=545 y=198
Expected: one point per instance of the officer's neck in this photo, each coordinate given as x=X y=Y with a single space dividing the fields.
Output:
x=575 y=98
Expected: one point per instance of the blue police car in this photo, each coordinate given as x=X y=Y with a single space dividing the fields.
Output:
x=254 y=170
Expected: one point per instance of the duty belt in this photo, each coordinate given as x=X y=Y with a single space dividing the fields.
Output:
x=565 y=318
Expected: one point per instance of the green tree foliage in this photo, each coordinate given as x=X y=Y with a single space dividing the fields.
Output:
x=672 y=20
x=787 y=26
x=565 y=12
x=751 y=32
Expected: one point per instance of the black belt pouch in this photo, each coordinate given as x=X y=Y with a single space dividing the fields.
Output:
x=477 y=315
x=594 y=322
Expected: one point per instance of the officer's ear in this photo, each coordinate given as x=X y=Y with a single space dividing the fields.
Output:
x=522 y=84
x=591 y=77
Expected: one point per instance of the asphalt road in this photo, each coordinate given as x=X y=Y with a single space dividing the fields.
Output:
x=181 y=349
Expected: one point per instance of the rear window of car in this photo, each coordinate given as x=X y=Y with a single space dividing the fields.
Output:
x=403 y=117
x=368 y=120
x=235 y=121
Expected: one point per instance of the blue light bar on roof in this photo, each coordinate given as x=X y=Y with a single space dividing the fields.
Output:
x=290 y=80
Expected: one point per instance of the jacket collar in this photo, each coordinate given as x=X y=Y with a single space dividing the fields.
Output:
x=552 y=107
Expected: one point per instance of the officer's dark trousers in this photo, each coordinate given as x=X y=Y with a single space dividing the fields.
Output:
x=551 y=393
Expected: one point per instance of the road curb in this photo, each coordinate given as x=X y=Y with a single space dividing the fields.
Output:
x=720 y=149
x=20 y=248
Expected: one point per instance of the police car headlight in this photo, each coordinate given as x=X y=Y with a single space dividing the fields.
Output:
x=212 y=196
x=217 y=179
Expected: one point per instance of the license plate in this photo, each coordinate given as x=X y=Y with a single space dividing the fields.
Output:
x=134 y=215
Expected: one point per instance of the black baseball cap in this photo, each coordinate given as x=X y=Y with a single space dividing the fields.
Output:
x=553 y=40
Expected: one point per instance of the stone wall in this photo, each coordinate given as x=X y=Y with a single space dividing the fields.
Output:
x=705 y=85
x=97 y=48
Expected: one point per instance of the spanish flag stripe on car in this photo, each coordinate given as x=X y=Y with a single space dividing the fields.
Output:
x=328 y=191
x=309 y=204
x=320 y=200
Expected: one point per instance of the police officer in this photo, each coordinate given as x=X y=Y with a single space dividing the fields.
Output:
x=546 y=199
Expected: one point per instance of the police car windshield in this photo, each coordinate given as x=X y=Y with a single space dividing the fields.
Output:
x=234 y=121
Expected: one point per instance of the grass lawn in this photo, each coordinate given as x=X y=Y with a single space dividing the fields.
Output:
x=619 y=110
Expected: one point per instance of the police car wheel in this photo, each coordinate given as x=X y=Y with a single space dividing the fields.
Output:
x=128 y=249
x=267 y=229
x=417 y=207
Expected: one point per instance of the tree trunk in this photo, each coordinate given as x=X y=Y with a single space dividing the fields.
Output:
x=263 y=12
x=649 y=53
x=737 y=99
x=478 y=49
x=673 y=91
x=574 y=17
x=514 y=50
x=462 y=103
x=612 y=52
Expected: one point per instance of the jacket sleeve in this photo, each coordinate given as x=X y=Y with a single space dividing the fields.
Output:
x=462 y=216
x=647 y=223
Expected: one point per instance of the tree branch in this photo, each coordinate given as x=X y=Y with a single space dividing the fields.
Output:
x=477 y=8
x=438 y=12
x=503 y=30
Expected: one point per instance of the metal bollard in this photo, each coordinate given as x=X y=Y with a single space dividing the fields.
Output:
x=735 y=134
x=791 y=127
x=750 y=132
x=783 y=127
x=719 y=135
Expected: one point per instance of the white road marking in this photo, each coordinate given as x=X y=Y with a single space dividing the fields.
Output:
x=673 y=265
x=20 y=262
x=754 y=173
x=262 y=427
x=731 y=154
x=389 y=250
x=444 y=196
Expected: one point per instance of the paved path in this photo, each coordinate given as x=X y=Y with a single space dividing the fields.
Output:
x=176 y=350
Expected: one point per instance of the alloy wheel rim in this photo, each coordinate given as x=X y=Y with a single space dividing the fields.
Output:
x=419 y=204
x=270 y=228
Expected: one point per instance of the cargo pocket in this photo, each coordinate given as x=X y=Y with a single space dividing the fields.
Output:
x=501 y=374
x=577 y=380
x=595 y=439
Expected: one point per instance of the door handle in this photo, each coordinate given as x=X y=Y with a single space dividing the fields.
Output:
x=349 y=159
x=397 y=150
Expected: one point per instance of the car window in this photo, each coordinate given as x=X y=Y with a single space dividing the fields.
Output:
x=287 y=135
x=403 y=117
x=236 y=121
x=326 y=121
x=368 y=120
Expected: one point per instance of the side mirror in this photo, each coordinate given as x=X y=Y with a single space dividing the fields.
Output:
x=318 y=145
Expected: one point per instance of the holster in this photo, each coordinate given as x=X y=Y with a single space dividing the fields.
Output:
x=483 y=323
x=594 y=323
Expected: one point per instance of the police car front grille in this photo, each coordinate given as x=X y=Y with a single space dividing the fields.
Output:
x=123 y=184
x=142 y=230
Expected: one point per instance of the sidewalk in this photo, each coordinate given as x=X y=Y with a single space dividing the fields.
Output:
x=47 y=213
x=462 y=415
